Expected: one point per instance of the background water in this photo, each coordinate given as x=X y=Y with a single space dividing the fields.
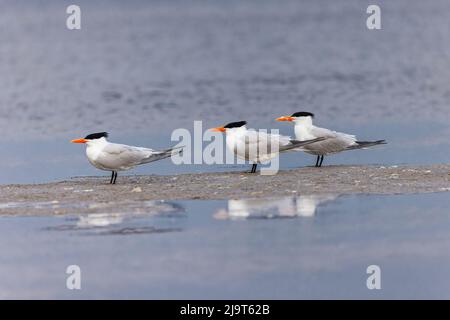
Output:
x=305 y=247
x=139 y=69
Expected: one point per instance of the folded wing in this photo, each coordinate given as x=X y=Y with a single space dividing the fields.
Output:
x=125 y=157
x=266 y=143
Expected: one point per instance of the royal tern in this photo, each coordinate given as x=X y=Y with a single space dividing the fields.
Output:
x=256 y=146
x=307 y=204
x=115 y=157
x=334 y=141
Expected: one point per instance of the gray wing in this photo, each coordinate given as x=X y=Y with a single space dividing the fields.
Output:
x=294 y=144
x=265 y=142
x=334 y=141
x=273 y=143
x=326 y=133
x=123 y=157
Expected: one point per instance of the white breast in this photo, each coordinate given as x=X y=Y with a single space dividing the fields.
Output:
x=251 y=145
x=92 y=153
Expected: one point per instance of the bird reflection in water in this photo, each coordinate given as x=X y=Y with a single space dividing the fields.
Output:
x=140 y=218
x=289 y=207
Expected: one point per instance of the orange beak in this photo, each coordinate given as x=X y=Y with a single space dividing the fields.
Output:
x=79 y=141
x=286 y=118
x=219 y=129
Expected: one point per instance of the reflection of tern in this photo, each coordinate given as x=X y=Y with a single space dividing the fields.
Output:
x=334 y=141
x=115 y=157
x=289 y=207
x=243 y=209
x=307 y=205
x=99 y=220
x=257 y=146
x=136 y=210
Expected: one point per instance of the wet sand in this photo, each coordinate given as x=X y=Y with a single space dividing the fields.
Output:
x=132 y=193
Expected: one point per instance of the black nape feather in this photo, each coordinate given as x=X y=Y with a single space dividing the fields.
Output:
x=97 y=135
x=303 y=114
x=235 y=124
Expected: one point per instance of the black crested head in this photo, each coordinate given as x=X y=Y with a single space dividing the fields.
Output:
x=97 y=135
x=303 y=114
x=235 y=124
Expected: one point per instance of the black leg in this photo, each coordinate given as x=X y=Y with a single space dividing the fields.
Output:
x=254 y=168
x=321 y=161
x=115 y=177
x=112 y=177
x=317 y=161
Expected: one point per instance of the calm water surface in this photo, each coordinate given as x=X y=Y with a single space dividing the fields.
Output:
x=296 y=247
x=143 y=68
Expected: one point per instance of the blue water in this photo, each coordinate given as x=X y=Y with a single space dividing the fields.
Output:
x=140 y=69
x=305 y=247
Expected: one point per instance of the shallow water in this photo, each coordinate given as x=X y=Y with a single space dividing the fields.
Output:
x=296 y=247
x=143 y=68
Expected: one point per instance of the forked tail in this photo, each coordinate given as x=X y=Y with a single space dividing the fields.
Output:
x=159 y=155
x=366 y=144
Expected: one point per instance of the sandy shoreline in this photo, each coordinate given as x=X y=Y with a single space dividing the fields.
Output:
x=94 y=194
